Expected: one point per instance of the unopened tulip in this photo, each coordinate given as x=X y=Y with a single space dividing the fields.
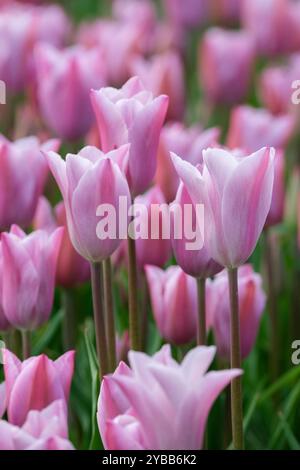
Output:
x=276 y=212
x=196 y=261
x=159 y=404
x=252 y=300
x=35 y=383
x=64 y=80
x=22 y=179
x=164 y=74
x=225 y=66
x=153 y=245
x=43 y=430
x=174 y=303
x=131 y=115
x=21 y=28
x=188 y=142
x=252 y=129
x=71 y=268
x=236 y=193
x=29 y=264
x=89 y=181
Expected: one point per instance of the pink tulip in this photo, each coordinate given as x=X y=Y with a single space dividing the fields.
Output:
x=153 y=247
x=29 y=264
x=188 y=142
x=226 y=60
x=252 y=301
x=276 y=212
x=88 y=181
x=71 y=269
x=164 y=74
x=122 y=346
x=252 y=129
x=64 y=82
x=21 y=27
x=236 y=193
x=131 y=115
x=196 y=263
x=188 y=14
x=174 y=303
x=43 y=430
x=2 y=397
x=35 y=383
x=226 y=11
x=159 y=404
x=22 y=179
x=4 y=323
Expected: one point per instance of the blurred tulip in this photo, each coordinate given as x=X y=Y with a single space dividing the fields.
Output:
x=252 y=129
x=188 y=142
x=22 y=179
x=71 y=269
x=276 y=212
x=43 y=430
x=153 y=247
x=198 y=262
x=252 y=301
x=225 y=65
x=4 y=323
x=87 y=181
x=225 y=11
x=159 y=404
x=64 y=80
x=164 y=74
x=35 y=383
x=21 y=28
x=174 y=303
x=29 y=263
x=188 y=14
x=236 y=193
x=122 y=346
x=131 y=115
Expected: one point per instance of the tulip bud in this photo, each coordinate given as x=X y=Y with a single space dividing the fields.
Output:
x=131 y=115
x=252 y=301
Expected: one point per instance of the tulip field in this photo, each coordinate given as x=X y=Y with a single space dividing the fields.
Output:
x=149 y=226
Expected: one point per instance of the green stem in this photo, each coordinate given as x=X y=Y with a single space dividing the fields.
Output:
x=26 y=344
x=236 y=362
x=201 y=327
x=109 y=314
x=96 y=281
x=272 y=303
x=69 y=320
x=133 y=296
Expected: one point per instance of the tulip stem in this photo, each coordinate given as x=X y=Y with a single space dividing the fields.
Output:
x=274 y=356
x=69 y=323
x=96 y=280
x=236 y=362
x=133 y=296
x=109 y=314
x=201 y=327
x=26 y=344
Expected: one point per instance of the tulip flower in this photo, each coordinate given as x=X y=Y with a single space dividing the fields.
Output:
x=153 y=246
x=164 y=74
x=188 y=142
x=43 y=430
x=190 y=14
x=35 y=383
x=252 y=129
x=87 y=181
x=226 y=11
x=159 y=404
x=131 y=115
x=174 y=303
x=226 y=60
x=21 y=28
x=22 y=179
x=252 y=301
x=237 y=195
x=276 y=212
x=71 y=268
x=64 y=80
